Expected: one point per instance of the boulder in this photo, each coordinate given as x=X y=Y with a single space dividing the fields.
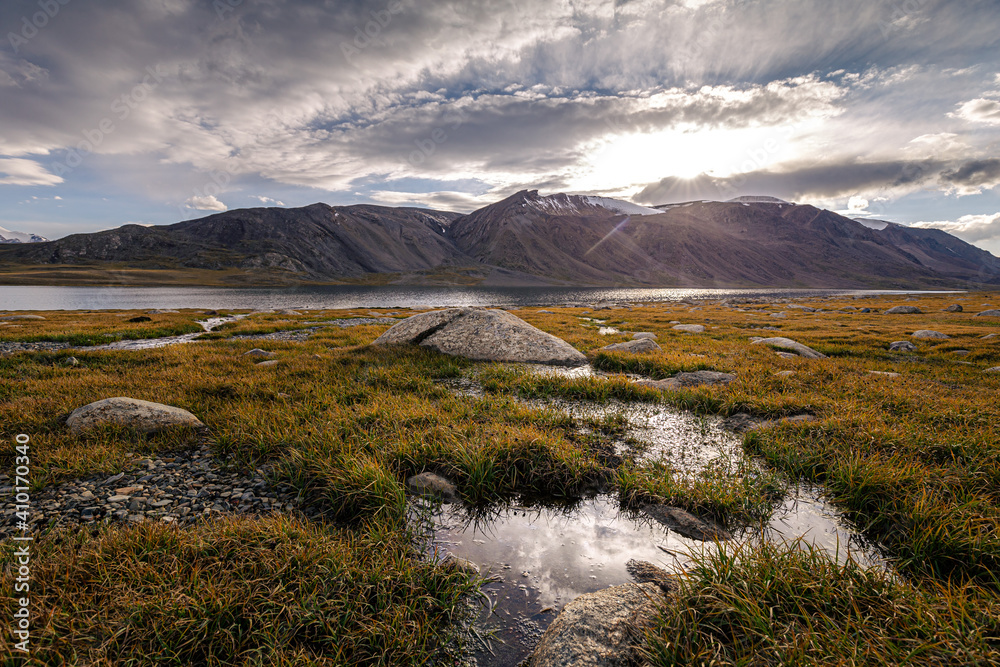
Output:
x=953 y=308
x=143 y=416
x=429 y=484
x=689 y=328
x=789 y=344
x=988 y=336
x=140 y=318
x=268 y=363
x=902 y=346
x=904 y=310
x=646 y=573
x=684 y=523
x=989 y=313
x=643 y=334
x=787 y=355
x=483 y=335
x=161 y=311
x=453 y=562
x=601 y=629
x=865 y=310
x=927 y=333
x=695 y=379
x=634 y=346
x=258 y=353
x=995 y=369
x=289 y=311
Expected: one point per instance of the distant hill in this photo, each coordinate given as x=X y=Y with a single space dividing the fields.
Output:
x=7 y=236
x=525 y=239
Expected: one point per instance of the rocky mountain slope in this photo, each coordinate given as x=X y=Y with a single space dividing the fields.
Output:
x=8 y=236
x=531 y=239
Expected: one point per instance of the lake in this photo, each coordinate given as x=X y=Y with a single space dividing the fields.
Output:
x=22 y=298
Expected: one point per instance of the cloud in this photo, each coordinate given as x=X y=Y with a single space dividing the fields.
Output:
x=980 y=229
x=206 y=203
x=979 y=110
x=971 y=177
x=268 y=200
x=19 y=171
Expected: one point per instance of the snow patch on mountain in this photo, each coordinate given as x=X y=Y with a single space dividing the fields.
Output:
x=561 y=203
x=8 y=236
x=877 y=225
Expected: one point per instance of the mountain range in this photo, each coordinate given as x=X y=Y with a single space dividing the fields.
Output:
x=7 y=236
x=526 y=239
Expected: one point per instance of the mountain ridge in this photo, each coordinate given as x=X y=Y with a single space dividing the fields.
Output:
x=526 y=239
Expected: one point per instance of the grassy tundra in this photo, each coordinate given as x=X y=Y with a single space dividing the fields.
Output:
x=914 y=460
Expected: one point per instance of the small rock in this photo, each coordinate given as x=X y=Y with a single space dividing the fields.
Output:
x=953 y=308
x=118 y=499
x=643 y=334
x=689 y=328
x=257 y=352
x=429 y=484
x=22 y=317
x=865 y=310
x=647 y=573
x=461 y=564
x=686 y=524
x=787 y=355
x=141 y=318
x=888 y=374
x=272 y=362
x=789 y=344
x=927 y=333
x=988 y=336
x=161 y=311
x=634 y=346
x=902 y=346
x=784 y=374
x=71 y=361
x=995 y=369
x=904 y=310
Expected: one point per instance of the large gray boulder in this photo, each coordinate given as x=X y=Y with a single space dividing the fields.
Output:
x=689 y=328
x=902 y=346
x=904 y=310
x=143 y=416
x=989 y=313
x=600 y=629
x=789 y=344
x=635 y=346
x=483 y=335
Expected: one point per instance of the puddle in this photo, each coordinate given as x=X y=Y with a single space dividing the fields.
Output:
x=608 y=331
x=545 y=556
x=151 y=343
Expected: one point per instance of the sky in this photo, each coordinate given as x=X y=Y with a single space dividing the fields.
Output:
x=156 y=111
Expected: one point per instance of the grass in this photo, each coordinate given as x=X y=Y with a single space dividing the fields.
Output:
x=791 y=605
x=913 y=460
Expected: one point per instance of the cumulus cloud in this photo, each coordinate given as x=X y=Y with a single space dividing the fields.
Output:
x=206 y=203
x=19 y=171
x=983 y=230
x=268 y=200
x=979 y=110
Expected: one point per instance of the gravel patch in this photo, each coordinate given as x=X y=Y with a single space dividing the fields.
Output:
x=179 y=489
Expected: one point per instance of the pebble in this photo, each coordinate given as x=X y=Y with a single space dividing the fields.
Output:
x=179 y=489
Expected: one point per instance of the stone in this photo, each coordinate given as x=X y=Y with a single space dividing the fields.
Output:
x=647 y=573
x=684 y=523
x=927 y=333
x=141 y=318
x=784 y=374
x=259 y=353
x=865 y=310
x=741 y=422
x=902 y=346
x=786 y=355
x=211 y=313
x=904 y=310
x=461 y=564
x=429 y=484
x=634 y=346
x=643 y=334
x=601 y=629
x=953 y=308
x=22 y=317
x=989 y=313
x=161 y=311
x=695 y=379
x=988 y=336
x=689 y=328
x=888 y=374
x=995 y=369
x=272 y=362
x=71 y=361
x=789 y=344
x=144 y=416
x=545 y=312
x=289 y=311
x=482 y=335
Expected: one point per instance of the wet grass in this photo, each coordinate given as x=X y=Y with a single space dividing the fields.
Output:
x=792 y=605
x=914 y=460
x=99 y=328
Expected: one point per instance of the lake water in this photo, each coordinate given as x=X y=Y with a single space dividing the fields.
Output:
x=347 y=296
